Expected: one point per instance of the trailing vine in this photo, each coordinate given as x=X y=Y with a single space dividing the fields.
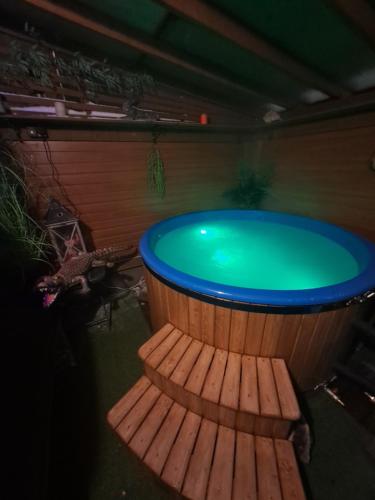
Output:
x=155 y=169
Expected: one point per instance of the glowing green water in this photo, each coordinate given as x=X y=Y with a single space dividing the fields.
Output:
x=256 y=254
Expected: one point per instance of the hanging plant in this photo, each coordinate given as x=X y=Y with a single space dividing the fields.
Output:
x=155 y=170
x=252 y=187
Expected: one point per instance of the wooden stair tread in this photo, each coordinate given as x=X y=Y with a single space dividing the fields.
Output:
x=255 y=385
x=199 y=458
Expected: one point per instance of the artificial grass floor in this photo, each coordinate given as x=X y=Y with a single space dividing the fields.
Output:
x=89 y=463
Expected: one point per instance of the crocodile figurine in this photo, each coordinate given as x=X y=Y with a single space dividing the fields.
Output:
x=73 y=271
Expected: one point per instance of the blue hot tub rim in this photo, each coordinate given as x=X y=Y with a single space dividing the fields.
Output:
x=357 y=289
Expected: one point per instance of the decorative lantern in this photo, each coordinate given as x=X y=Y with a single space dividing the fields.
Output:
x=64 y=231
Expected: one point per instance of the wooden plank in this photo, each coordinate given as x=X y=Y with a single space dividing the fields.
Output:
x=287 y=398
x=208 y=323
x=238 y=329
x=148 y=347
x=183 y=312
x=290 y=480
x=178 y=459
x=220 y=482
x=249 y=397
x=214 y=380
x=150 y=426
x=198 y=374
x=194 y=306
x=135 y=417
x=269 y=404
x=160 y=352
x=213 y=19
x=231 y=383
x=254 y=333
x=171 y=360
x=271 y=333
x=184 y=367
x=158 y=452
x=222 y=327
x=126 y=403
x=267 y=474
x=244 y=481
x=196 y=480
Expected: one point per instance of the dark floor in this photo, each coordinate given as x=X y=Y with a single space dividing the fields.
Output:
x=88 y=462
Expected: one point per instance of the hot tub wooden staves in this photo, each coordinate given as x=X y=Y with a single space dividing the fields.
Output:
x=309 y=343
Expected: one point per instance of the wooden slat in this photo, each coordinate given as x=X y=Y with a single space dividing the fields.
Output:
x=196 y=480
x=220 y=482
x=244 y=481
x=195 y=318
x=232 y=381
x=178 y=459
x=159 y=353
x=214 y=380
x=238 y=329
x=249 y=398
x=198 y=374
x=158 y=452
x=290 y=480
x=135 y=417
x=173 y=357
x=254 y=334
x=267 y=474
x=184 y=367
x=269 y=405
x=208 y=323
x=150 y=426
x=146 y=349
x=222 y=327
x=126 y=403
x=271 y=333
x=287 y=399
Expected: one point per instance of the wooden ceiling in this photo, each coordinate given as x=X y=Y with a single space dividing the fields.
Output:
x=304 y=59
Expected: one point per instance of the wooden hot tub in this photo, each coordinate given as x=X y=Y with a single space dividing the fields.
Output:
x=306 y=326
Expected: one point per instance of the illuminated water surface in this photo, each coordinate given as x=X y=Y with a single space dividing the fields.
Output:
x=256 y=254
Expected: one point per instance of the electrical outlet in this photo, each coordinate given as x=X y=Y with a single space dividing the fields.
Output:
x=37 y=133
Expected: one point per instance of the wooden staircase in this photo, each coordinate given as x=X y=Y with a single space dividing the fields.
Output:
x=211 y=423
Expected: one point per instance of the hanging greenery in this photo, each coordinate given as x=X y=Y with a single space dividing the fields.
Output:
x=51 y=69
x=251 y=188
x=155 y=170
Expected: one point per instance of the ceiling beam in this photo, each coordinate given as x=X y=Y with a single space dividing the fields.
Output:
x=216 y=21
x=360 y=14
x=365 y=101
x=149 y=49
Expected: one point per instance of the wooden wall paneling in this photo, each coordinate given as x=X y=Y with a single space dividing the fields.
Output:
x=322 y=170
x=106 y=179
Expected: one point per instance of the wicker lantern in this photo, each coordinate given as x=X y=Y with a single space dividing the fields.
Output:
x=64 y=231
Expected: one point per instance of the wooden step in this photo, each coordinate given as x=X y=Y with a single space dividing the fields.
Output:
x=246 y=393
x=201 y=459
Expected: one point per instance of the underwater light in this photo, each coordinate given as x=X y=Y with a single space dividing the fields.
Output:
x=203 y=231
